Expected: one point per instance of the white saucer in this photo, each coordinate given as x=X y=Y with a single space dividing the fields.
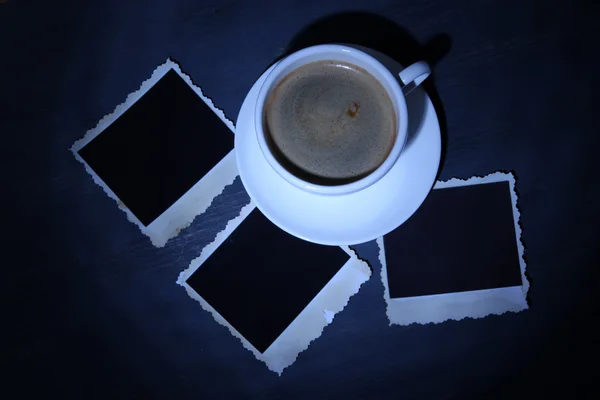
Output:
x=349 y=219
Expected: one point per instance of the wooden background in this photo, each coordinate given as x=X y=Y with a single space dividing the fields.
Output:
x=91 y=309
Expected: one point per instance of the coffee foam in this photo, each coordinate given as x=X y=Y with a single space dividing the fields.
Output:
x=332 y=120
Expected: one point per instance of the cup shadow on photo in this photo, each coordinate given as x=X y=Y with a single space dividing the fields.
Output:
x=384 y=36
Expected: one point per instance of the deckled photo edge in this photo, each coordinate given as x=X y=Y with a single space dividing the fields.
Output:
x=384 y=280
x=219 y=112
x=131 y=98
x=498 y=301
x=210 y=248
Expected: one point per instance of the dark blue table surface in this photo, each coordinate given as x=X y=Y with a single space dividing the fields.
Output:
x=91 y=308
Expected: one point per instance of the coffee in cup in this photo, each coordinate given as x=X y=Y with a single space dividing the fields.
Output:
x=331 y=121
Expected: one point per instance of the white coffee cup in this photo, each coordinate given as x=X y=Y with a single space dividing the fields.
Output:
x=410 y=77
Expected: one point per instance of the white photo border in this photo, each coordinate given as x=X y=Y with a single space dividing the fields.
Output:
x=198 y=198
x=456 y=306
x=309 y=324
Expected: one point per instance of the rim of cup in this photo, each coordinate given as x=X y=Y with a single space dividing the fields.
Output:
x=347 y=54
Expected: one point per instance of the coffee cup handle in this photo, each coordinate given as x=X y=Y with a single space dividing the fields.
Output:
x=413 y=75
